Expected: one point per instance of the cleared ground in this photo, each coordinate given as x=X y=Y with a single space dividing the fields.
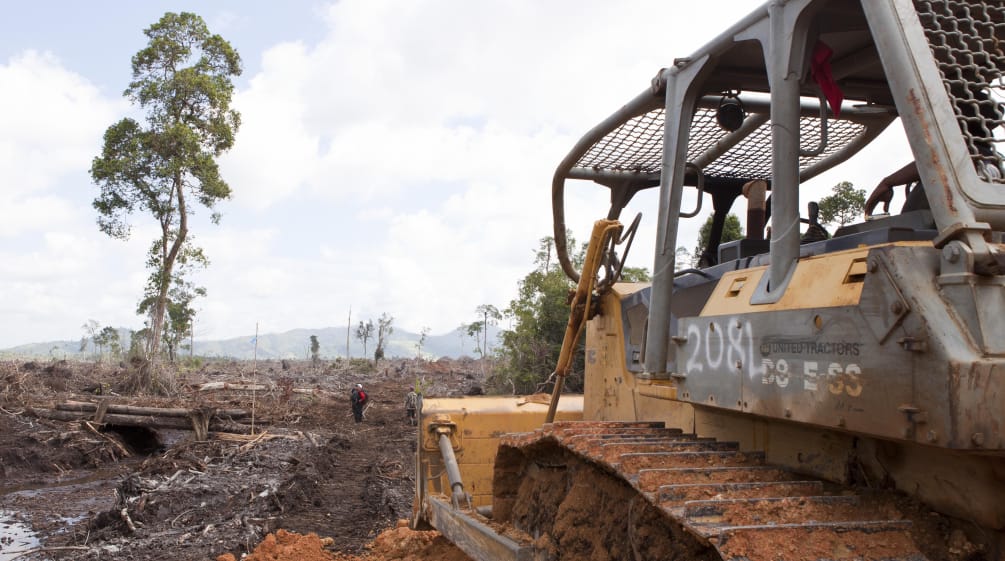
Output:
x=157 y=494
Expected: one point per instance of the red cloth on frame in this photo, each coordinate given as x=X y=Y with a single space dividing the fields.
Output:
x=820 y=68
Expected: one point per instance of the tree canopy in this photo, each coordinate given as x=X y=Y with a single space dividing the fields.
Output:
x=479 y=329
x=364 y=332
x=540 y=313
x=109 y=338
x=844 y=206
x=731 y=230
x=182 y=80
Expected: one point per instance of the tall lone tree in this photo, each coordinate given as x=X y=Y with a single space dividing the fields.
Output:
x=182 y=79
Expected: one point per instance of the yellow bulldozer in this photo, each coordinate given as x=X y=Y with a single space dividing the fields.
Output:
x=793 y=397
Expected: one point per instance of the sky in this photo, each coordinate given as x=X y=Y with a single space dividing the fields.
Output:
x=395 y=156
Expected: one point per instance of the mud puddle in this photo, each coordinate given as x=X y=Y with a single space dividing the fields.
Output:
x=39 y=488
x=15 y=537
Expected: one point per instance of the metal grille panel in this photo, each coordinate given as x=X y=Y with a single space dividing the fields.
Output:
x=637 y=146
x=967 y=38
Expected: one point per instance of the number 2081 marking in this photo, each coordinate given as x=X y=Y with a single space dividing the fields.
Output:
x=839 y=378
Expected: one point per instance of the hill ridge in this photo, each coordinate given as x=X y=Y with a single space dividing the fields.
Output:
x=290 y=344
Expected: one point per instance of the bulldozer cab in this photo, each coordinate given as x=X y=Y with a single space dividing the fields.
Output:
x=791 y=91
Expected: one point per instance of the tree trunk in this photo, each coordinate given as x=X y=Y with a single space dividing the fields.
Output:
x=86 y=406
x=148 y=421
x=231 y=386
x=167 y=267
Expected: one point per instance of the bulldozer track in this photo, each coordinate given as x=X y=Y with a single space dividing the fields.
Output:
x=725 y=498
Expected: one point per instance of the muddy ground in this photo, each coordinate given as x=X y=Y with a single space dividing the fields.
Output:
x=159 y=494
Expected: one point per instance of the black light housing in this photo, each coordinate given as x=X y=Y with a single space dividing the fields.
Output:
x=730 y=114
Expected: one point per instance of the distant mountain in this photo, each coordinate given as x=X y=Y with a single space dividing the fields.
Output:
x=290 y=344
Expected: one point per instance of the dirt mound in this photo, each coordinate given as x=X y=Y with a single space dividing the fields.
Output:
x=408 y=545
x=287 y=545
x=395 y=544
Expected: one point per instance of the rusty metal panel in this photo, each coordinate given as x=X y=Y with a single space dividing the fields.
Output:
x=979 y=392
x=911 y=361
x=959 y=383
x=819 y=366
x=712 y=360
x=883 y=305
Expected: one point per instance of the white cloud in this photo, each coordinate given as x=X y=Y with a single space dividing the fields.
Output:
x=29 y=213
x=56 y=269
x=47 y=293
x=275 y=151
x=422 y=137
x=52 y=120
x=440 y=90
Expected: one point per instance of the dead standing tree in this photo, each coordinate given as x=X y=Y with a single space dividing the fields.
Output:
x=384 y=330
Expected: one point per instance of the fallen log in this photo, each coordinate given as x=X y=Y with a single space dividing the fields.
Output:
x=231 y=386
x=87 y=406
x=147 y=421
x=246 y=438
x=250 y=387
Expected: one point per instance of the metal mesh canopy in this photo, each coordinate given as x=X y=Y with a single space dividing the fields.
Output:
x=967 y=38
x=637 y=146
